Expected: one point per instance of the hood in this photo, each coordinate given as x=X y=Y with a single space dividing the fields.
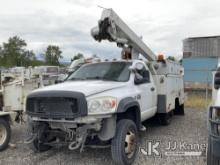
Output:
x=87 y=87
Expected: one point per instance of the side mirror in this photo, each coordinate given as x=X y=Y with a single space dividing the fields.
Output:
x=138 y=66
x=139 y=79
x=217 y=80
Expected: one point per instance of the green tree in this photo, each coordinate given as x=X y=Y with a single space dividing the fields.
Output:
x=52 y=55
x=28 y=58
x=14 y=53
x=77 y=56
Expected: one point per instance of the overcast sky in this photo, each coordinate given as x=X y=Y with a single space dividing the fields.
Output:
x=67 y=23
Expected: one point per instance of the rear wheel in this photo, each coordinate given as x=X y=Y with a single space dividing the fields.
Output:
x=179 y=109
x=5 y=134
x=124 y=145
x=211 y=158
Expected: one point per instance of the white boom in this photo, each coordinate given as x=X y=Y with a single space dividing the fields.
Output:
x=111 y=27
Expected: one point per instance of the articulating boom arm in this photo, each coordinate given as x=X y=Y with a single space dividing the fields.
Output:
x=111 y=27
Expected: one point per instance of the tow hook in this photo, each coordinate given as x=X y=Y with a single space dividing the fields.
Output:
x=80 y=141
x=74 y=145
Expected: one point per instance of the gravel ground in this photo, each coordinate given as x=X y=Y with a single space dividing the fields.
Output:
x=189 y=132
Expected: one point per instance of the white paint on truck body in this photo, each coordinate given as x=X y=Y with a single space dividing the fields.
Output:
x=169 y=82
x=14 y=94
x=172 y=88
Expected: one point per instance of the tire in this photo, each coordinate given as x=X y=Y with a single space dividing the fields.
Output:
x=179 y=109
x=38 y=143
x=5 y=134
x=165 y=118
x=126 y=129
x=211 y=159
x=36 y=146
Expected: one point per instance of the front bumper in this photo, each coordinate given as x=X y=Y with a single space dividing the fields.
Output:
x=74 y=134
x=79 y=120
x=214 y=132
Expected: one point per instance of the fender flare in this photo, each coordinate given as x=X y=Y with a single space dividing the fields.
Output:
x=127 y=103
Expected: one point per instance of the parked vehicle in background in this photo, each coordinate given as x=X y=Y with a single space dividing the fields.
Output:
x=104 y=103
x=213 y=152
x=16 y=83
x=49 y=74
x=76 y=64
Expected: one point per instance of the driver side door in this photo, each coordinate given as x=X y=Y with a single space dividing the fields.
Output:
x=147 y=90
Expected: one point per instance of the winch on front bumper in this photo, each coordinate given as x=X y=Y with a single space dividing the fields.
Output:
x=81 y=132
x=57 y=134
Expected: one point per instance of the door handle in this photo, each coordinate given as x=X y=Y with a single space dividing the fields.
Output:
x=152 y=89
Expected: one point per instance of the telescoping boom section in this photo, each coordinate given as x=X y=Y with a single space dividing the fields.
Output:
x=112 y=28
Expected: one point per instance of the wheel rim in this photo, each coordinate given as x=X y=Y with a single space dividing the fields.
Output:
x=3 y=134
x=130 y=144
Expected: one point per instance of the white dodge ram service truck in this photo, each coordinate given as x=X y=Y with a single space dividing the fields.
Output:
x=104 y=103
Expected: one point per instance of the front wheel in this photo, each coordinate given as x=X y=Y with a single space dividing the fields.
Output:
x=124 y=145
x=39 y=147
x=38 y=144
x=5 y=134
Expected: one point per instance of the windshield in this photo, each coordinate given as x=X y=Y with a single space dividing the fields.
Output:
x=109 y=71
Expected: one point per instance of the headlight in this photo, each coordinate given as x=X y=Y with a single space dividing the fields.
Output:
x=102 y=105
